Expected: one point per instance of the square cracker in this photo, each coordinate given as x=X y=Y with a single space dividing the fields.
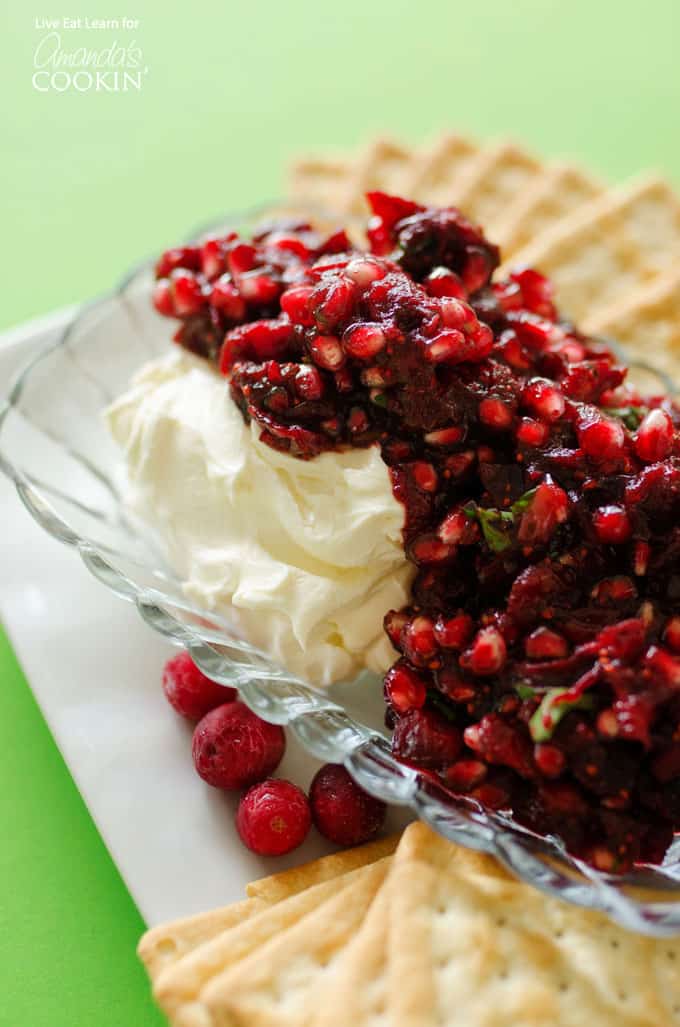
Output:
x=290 y=882
x=270 y=987
x=471 y=947
x=166 y=944
x=321 y=181
x=556 y=192
x=647 y=323
x=178 y=987
x=491 y=184
x=436 y=168
x=609 y=247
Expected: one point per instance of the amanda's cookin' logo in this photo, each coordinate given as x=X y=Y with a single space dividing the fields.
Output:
x=59 y=67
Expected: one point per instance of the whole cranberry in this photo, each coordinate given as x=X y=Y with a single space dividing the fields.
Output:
x=189 y=691
x=273 y=817
x=233 y=748
x=343 y=812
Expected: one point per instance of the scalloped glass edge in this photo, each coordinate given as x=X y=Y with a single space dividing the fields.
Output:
x=321 y=725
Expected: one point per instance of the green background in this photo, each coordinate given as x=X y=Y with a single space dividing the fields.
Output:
x=91 y=182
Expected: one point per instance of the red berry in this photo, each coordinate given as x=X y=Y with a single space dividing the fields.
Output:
x=364 y=272
x=550 y=760
x=187 y=292
x=180 y=256
x=233 y=748
x=226 y=298
x=543 y=399
x=418 y=640
x=465 y=775
x=671 y=635
x=532 y=433
x=455 y=632
x=342 y=811
x=442 y=282
x=364 y=341
x=295 y=303
x=424 y=476
x=327 y=352
x=602 y=439
x=654 y=439
x=612 y=524
x=404 y=689
x=487 y=654
x=273 y=817
x=189 y=691
x=163 y=299
x=494 y=413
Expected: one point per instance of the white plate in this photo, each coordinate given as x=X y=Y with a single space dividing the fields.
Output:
x=95 y=669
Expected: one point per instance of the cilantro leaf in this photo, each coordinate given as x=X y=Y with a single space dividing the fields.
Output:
x=631 y=415
x=525 y=691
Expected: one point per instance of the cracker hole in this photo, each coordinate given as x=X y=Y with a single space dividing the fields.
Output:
x=501 y=921
x=441 y=909
x=615 y=943
x=563 y=986
x=670 y=954
x=503 y=975
x=442 y=962
x=559 y=933
x=622 y=996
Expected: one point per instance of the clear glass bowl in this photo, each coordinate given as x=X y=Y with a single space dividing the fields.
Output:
x=55 y=447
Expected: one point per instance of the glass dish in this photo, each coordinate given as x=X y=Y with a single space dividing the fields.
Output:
x=55 y=447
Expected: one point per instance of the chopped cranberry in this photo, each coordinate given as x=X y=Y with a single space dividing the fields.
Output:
x=233 y=748
x=612 y=524
x=342 y=811
x=544 y=644
x=426 y=739
x=189 y=691
x=273 y=817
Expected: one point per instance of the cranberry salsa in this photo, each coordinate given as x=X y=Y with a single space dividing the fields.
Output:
x=540 y=652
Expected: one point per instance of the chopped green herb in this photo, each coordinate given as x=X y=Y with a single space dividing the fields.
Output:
x=547 y=716
x=496 y=524
x=521 y=504
x=631 y=416
x=525 y=691
x=440 y=704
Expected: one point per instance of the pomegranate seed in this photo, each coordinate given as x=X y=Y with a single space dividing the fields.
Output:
x=537 y=291
x=602 y=439
x=404 y=688
x=289 y=243
x=499 y=741
x=477 y=270
x=607 y=724
x=295 y=303
x=332 y=302
x=241 y=258
x=226 y=298
x=364 y=272
x=549 y=759
x=455 y=632
x=418 y=640
x=327 y=352
x=450 y=345
x=213 y=253
x=510 y=349
x=456 y=314
x=187 y=292
x=258 y=340
x=487 y=654
x=671 y=635
x=442 y=282
x=425 y=476
x=618 y=589
x=494 y=413
x=459 y=463
x=364 y=341
x=162 y=298
x=357 y=421
x=532 y=433
x=457 y=528
x=654 y=439
x=641 y=558
x=258 y=288
x=485 y=455
x=394 y=624
x=445 y=437
x=465 y=775
x=612 y=524
x=430 y=549
x=544 y=644
x=543 y=399
x=309 y=383
x=179 y=256
x=548 y=509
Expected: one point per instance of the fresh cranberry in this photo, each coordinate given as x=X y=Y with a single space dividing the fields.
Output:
x=233 y=748
x=273 y=817
x=612 y=524
x=189 y=691
x=342 y=811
